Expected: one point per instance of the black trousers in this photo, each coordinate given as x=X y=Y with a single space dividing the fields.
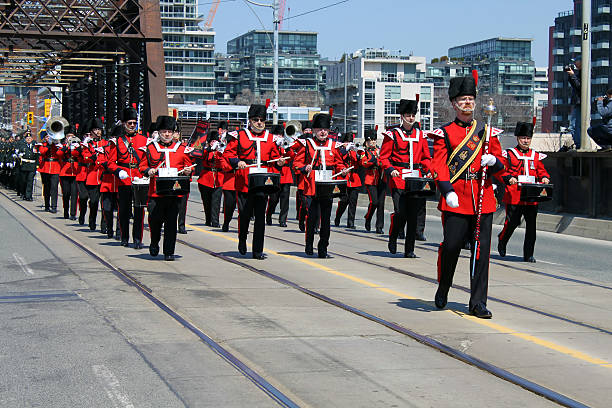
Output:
x=229 y=206
x=91 y=193
x=109 y=206
x=420 y=221
x=421 y=214
x=283 y=197
x=298 y=202
x=211 y=201
x=319 y=210
x=50 y=183
x=252 y=204
x=514 y=213
x=456 y=227
x=163 y=211
x=348 y=201
x=125 y=213
x=406 y=212
x=28 y=183
x=70 y=194
x=377 y=194
x=182 y=214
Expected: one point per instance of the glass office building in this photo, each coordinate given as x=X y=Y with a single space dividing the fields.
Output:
x=505 y=68
x=298 y=66
x=566 y=43
x=188 y=53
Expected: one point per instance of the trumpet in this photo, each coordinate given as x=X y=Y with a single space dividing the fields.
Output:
x=293 y=129
x=55 y=127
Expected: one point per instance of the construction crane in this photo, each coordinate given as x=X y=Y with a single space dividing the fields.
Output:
x=211 y=14
x=281 y=13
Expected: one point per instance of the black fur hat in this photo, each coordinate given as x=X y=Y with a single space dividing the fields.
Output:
x=212 y=135
x=407 y=106
x=95 y=123
x=523 y=129
x=321 y=121
x=257 y=111
x=165 y=123
x=222 y=125
x=277 y=130
x=129 y=114
x=370 y=134
x=118 y=130
x=460 y=86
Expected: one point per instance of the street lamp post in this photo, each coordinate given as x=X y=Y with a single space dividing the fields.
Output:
x=585 y=77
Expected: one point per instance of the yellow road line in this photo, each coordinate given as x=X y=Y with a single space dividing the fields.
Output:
x=502 y=329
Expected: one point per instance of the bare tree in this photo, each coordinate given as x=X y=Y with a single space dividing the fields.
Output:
x=509 y=111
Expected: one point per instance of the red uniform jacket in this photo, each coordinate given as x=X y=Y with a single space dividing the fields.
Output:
x=49 y=158
x=295 y=149
x=153 y=156
x=109 y=182
x=318 y=150
x=395 y=154
x=286 y=175
x=371 y=163
x=93 y=158
x=467 y=188
x=350 y=158
x=125 y=155
x=69 y=160
x=242 y=146
x=515 y=162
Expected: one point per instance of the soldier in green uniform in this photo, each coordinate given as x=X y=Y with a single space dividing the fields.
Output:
x=27 y=152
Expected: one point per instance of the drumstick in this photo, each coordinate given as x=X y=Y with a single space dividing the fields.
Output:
x=269 y=161
x=188 y=167
x=337 y=174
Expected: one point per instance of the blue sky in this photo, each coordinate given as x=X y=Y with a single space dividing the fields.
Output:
x=425 y=27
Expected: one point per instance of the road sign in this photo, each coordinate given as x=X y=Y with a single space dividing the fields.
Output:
x=30 y=118
x=47 y=107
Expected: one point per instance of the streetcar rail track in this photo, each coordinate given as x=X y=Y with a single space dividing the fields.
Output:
x=274 y=393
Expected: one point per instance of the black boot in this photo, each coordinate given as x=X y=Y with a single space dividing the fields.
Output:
x=368 y=224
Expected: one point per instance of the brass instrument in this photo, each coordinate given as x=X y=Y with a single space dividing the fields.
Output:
x=56 y=125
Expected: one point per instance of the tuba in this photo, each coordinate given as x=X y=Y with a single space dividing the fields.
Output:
x=293 y=129
x=55 y=127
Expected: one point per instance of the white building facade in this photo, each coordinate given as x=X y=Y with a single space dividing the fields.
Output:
x=365 y=90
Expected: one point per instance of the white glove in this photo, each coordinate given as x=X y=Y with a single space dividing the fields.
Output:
x=487 y=160
x=214 y=145
x=452 y=199
x=87 y=140
x=99 y=150
x=74 y=146
x=123 y=174
x=59 y=145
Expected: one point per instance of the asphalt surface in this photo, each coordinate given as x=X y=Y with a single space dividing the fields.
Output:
x=77 y=335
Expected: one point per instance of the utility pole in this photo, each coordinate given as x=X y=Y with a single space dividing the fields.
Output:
x=585 y=77
x=345 y=90
x=276 y=23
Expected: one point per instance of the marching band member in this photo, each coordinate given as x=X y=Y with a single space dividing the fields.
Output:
x=521 y=161
x=374 y=181
x=458 y=165
x=317 y=150
x=403 y=147
x=226 y=178
x=209 y=182
x=286 y=180
x=252 y=145
x=123 y=162
x=109 y=183
x=163 y=210
x=89 y=185
x=49 y=172
x=184 y=199
x=352 y=158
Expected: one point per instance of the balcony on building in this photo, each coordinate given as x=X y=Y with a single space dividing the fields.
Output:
x=603 y=10
x=558 y=35
x=601 y=28
x=558 y=51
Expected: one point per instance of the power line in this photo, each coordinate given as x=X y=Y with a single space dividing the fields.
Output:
x=312 y=11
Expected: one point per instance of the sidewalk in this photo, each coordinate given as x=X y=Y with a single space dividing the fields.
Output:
x=559 y=223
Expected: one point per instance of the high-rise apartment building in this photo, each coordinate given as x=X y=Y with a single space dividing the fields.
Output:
x=506 y=70
x=298 y=65
x=188 y=53
x=374 y=81
x=440 y=74
x=566 y=44
x=540 y=97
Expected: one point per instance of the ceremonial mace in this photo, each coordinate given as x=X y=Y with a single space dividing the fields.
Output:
x=490 y=110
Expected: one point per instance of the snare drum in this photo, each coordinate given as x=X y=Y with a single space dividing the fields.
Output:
x=140 y=190
x=419 y=187
x=267 y=183
x=534 y=193
x=172 y=186
x=330 y=188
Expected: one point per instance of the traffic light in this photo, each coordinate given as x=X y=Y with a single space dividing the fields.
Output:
x=30 y=118
x=48 y=107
